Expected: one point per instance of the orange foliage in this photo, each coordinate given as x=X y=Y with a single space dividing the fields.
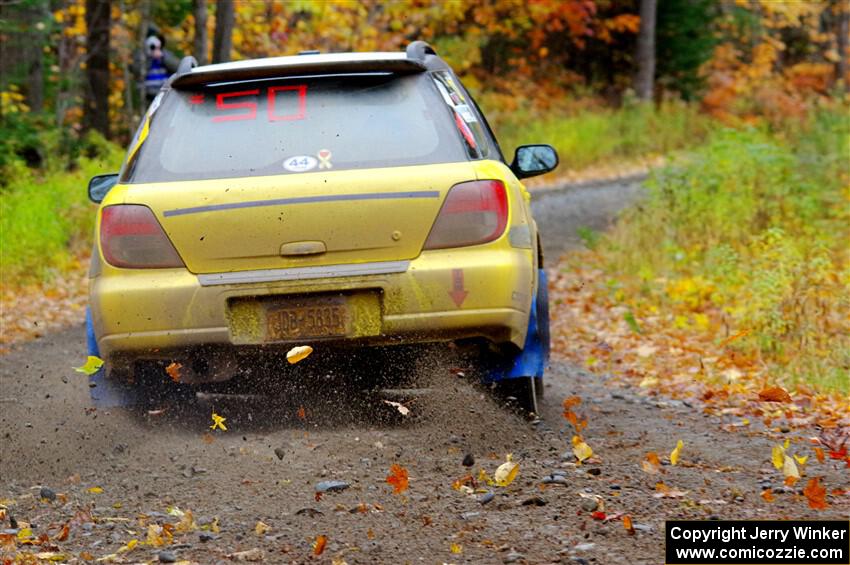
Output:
x=319 y=544
x=398 y=478
x=774 y=394
x=816 y=494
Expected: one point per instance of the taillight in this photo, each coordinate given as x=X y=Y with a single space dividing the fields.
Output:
x=130 y=237
x=474 y=212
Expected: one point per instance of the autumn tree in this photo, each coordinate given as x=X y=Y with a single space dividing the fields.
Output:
x=223 y=37
x=842 y=11
x=96 y=92
x=199 y=43
x=645 y=53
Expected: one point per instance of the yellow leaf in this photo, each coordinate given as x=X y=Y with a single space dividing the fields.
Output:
x=648 y=382
x=128 y=547
x=801 y=459
x=95 y=490
x=506 y=472
x=51 y=556
x=789 y=468
x=156 y=536
x=674 y=455
x=186 y=523
x=218 y=422
x=581 y=450
x=456 y=548
x=299 y=353
x=262 y=528
x=778 y=456
x=92 y=365
x=787 y=444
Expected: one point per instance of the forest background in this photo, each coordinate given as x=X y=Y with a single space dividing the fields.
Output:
x=742 y=240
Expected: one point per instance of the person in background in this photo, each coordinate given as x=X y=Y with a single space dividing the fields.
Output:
x=157 y=64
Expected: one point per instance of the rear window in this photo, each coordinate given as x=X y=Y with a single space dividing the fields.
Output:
x=295 y=126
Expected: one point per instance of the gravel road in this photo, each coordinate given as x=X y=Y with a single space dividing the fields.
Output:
x=268 y=465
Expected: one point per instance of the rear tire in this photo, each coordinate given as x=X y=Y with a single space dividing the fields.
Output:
x=525 y=392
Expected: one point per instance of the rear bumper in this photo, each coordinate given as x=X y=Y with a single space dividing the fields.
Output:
x=137 y=313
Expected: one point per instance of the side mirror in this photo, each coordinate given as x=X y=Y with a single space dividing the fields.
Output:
x=533 y=160
x=100 y=185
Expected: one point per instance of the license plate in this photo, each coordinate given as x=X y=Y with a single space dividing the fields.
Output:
x=319 y=320
x=296 y=318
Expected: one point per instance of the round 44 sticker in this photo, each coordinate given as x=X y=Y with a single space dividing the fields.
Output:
x=300 y=163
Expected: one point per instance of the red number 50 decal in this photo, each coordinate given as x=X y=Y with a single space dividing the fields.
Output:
x=220 y=104
x=302 y=103
x=251 y=106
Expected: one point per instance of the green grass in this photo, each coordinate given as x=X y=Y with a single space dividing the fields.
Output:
x=46 y=220
x=597 y=137
x=753 y=225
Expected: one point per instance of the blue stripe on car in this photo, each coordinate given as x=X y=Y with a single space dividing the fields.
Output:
x=303 y=200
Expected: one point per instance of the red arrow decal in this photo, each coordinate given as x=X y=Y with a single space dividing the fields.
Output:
x=458 y=293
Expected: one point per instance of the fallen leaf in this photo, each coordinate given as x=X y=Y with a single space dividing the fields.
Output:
x=791 y=481
x=95 y=490
x=767 y=495
x=816 y=494
x=319 y=544
x=91 y=365
x=733 y=337
x=51 y=556
x=403 y=410
x=254 y=554
x=778 y=456
x=157 y=535
x=186 y=523
x=789 y=468
x=456 y=548
x=648 y=382
x=674 y=455
x=801 y=460
x=627 y=525
x=820 y=454
x=128 y=546
x=774 y=394
x=299 y=353
x=63 y=533
x=571 y=401
x=581 y=450
x=261 y=528
x=218 y=423
x=651 y=464
x=301 y=413
x=506 y=472
x=398 y=478
x=173 y=371
x=598 y=515
x=663 y=491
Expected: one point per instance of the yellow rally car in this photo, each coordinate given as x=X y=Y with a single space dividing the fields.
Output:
x=339 y=199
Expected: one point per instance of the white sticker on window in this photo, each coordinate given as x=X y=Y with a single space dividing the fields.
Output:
x=444 y=93
x=465 y=113
x=300 y=163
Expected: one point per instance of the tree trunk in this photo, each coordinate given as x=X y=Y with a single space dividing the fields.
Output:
x=96 y=116
x=223 y=39
x=199 y=45
x=645 y=54
x=38 y=14
x=843 y=32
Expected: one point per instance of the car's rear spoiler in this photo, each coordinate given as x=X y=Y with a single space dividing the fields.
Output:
x=410 y=61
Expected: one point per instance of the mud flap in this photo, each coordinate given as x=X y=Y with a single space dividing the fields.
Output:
x=104 y=392
x=534 y=357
